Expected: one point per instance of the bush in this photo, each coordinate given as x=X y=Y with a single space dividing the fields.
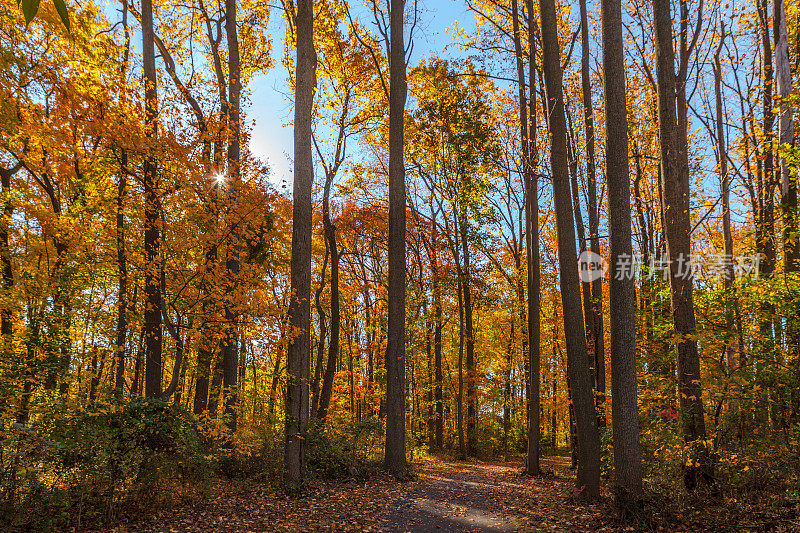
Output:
x=351 y=450
x=257 y=455
x=79 y=470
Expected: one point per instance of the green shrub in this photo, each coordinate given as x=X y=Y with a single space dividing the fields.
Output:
x=79 y=469
x=350 y=450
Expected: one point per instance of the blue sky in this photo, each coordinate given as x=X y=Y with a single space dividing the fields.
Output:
x=271 y=104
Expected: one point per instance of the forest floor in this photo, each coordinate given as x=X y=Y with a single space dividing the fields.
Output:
x=446 y=497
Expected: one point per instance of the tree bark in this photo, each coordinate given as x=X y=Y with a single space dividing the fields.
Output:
x=622 y=302
x=395 y=448
x=588 y=479
x=437 y=338
x=469 y=340
x=7 y=312
x=724 y=179
x=462 y=449
x=791 y=250
x=532 y=343
x=230 y=351
x=205 y=352
x=152 y=231
x=323 y=333
x=333 y=344
x=596 y=299
x=299 y=305
x=122 y=279
x=675 y=188
x=765 y=227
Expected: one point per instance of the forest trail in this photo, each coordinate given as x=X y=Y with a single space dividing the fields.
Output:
x=450 y=497
x=457 y=498
x=446 y=497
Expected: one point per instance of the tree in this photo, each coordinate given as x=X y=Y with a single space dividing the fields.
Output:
x=595 y=311
x=788 y=184
x=152 y=230
x=580 y=379
x=395 y=448
x=534 y=277
x=298 y=356
x=230 y=352
x=622 y=302
x=675 y=210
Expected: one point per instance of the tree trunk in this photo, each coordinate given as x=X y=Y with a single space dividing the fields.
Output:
x=596 y=299
x=431 y=418
x=622 y=302
x=230 y=352
x=675 y=188
x=469 y=340
x=299 y=306
x=724 y=179
x=395 y=450
x=532 y=340
x=205 y=352
x=323 y=333
x=122 y=276
x=791 y=250
x=6 y=312
x=152 y=231
x=333 y=344
x=462 y=450
x=765 y=227
x=588 y=480
x=507 y=391
x=276 y=377
x=437 y=339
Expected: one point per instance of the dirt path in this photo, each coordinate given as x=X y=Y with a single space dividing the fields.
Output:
x=447 y=497
x=461 y=498
x=455 y=497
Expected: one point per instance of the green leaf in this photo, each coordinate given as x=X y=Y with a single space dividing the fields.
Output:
x=29 y=9
x=61 y=7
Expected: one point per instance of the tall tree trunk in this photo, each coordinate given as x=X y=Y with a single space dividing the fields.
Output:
x=437 y=338
x=507 y=391
x=333 y=345
x=675 y=188
x=216 y=384
x=765 y=228
x=431 y=418
x=532 y=340
x=276 y=376
x=596 y=299
x=299 y=305
x=6 y=312
x=462 y=449
x=765 y=225
x=230 y=352
x=205 y=352
x=152 y=231
x=122 y=277
x=122 y=270
x=586 y=286
x=588 y=480
x=791 y=249
x=395 y=450
x=724 y=179
x=622 y=302
x=323 y=333
x=469 y=339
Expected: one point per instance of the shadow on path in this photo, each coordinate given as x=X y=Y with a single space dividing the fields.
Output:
x=459 y=497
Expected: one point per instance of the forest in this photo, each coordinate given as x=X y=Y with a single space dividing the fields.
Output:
x=424 y=265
